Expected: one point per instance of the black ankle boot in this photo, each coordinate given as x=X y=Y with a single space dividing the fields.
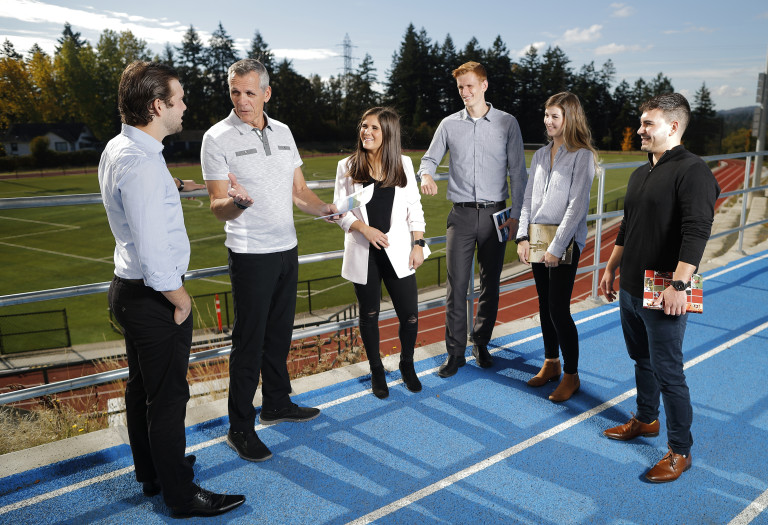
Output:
x=379 y=383
x=410 y=378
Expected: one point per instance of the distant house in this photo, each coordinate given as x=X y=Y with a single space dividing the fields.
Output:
x=61 y=137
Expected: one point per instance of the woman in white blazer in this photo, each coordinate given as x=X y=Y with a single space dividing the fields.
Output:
x=384 y=238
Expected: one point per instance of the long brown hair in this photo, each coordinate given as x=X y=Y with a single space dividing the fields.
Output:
x=576 y=134
x=391 y=152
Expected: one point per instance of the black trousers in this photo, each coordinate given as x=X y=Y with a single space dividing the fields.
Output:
x=405 y=298
x=554 y=287
x=157 y=392
x=264 y=295
x=467 y=228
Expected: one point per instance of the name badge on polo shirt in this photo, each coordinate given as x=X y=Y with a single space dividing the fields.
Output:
x=246 y=152
x=284 y=147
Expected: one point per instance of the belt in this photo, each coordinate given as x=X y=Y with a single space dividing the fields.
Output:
x=478 y=205
x=138 y=282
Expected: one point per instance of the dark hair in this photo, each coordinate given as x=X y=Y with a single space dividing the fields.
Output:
x=576 y=132
x=674 y=106
x=391 y=151
x=140 y=85
x=250 y=65
x=471 y=67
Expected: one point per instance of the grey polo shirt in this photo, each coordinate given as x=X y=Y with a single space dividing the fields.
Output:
x=264 y=166
x=484 y=155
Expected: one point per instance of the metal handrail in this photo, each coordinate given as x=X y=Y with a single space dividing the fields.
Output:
x=105 y=377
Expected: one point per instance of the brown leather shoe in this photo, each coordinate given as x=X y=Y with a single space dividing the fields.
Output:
x=669 y=468
x=631 y=429
x=567 y=387
x=550 y=371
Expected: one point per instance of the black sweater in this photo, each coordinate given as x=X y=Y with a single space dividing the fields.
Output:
x=668 y=214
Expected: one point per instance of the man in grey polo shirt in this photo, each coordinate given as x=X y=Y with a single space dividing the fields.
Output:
x=486 y=150
x=253 y=174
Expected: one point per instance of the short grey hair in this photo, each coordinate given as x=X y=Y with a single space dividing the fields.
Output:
x=250 y=65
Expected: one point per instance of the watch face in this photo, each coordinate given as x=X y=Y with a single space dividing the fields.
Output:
x=678 y=285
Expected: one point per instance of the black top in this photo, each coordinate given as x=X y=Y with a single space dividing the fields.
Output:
x=379 y=208
x=668 y=214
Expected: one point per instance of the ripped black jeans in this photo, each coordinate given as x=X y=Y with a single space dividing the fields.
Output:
x=404 y=295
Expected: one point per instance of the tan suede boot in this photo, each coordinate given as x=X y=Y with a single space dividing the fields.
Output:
x=567 y=387
x=550 y=371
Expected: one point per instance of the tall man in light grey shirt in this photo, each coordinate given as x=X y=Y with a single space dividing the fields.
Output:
x=252 y=170
x=486 y=163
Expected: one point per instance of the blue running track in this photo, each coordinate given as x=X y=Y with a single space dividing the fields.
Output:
x=480 y=447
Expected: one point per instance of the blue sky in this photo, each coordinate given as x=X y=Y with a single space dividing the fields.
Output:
x=721 y=43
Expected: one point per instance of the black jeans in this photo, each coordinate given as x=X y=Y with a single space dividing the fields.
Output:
x=467 y=228
x=554 y=287
x=264 y=295
x=405 y=298
x=157 y=392
x=655 y=342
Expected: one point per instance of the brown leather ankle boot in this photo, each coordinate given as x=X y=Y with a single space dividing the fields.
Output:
x=550 y=371
x=567 y=387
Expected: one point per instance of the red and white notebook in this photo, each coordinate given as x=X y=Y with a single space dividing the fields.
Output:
x=655 y=282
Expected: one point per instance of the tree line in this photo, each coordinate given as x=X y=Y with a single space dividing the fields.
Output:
x=78 y=83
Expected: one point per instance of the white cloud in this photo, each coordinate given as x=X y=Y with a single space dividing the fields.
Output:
x=153 y=31
x=538 y=45
x=615 y=49
x=305 y=54
x=690 y=29
x=578 y=36
x=730 y=91
x=622 y=10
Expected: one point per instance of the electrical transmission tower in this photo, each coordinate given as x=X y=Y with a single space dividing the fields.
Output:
x=347 y=55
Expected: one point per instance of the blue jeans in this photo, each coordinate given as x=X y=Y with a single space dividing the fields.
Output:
x=655 y=342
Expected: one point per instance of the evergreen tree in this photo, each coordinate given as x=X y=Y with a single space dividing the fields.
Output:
x=705 y=131
x=360 y=93
x=67 y=35
x=501 y=81
x=445 y=85
x=220 y=55
x=530 y=99
x=75 y=66
x=190 y=63
x=260 y=51
x=8 y=51
x=291 y=102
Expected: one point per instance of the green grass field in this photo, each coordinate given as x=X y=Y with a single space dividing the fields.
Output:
x=45 y=248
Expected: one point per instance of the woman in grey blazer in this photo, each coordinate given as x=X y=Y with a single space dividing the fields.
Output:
x=384 y=238
x=557 y=194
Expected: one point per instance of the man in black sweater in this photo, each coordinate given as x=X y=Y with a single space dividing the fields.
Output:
x=668 y=213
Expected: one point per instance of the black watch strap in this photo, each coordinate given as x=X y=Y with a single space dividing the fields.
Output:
x=680 y=285
x=521 y=239
x=420 y=242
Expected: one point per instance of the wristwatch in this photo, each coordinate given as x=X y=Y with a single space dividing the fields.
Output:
x=680 y=285
x=521 y=239
x=420 y=242
x=181 y=183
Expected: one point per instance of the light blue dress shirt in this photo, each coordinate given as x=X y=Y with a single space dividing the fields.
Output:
x=144 y=211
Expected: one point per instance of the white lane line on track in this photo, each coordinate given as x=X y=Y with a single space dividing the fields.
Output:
x=446 y=482
x=65 y=490
x=752 y=511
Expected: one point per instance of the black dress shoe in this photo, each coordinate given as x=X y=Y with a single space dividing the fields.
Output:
x=207 y=503
x=451 y=365
x=152 y=488
x=482 y=356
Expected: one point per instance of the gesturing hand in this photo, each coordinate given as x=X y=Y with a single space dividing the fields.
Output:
x=238 y=193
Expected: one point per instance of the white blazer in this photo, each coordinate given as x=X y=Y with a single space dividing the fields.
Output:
x=407 y=216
